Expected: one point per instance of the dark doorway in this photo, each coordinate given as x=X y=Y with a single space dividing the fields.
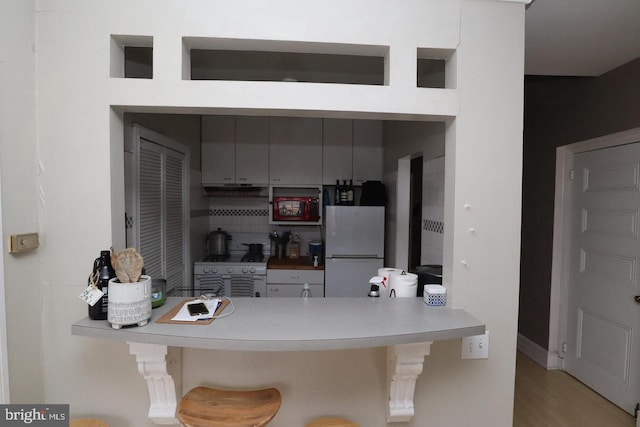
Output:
x=415 y=221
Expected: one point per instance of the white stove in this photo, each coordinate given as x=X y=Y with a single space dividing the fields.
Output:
x=235 y=276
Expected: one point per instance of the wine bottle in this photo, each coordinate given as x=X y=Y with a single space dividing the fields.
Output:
x=343 y=193
x=350 y=193
x=105 y=272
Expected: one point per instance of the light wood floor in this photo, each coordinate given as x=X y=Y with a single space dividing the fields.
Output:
x=555 y=399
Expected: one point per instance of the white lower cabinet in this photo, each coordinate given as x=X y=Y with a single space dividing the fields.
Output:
x=289 y=283
x=293 y=290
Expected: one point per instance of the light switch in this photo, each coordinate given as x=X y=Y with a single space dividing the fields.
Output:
x=23 y=242
x=476 y=347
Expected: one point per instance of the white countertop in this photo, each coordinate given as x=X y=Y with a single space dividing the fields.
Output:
x=293 y=324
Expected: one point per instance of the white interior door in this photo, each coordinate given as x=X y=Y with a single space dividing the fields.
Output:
x=603 y=317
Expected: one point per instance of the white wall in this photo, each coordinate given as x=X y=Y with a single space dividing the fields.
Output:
x=21 y=198
x=78 y=144
x=483 y=170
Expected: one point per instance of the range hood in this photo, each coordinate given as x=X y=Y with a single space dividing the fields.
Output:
x=235 y=190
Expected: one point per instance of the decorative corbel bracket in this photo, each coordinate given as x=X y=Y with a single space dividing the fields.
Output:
x=152 y=365
x=404 y=365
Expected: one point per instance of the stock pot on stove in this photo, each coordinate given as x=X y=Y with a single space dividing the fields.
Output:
x=218 y=243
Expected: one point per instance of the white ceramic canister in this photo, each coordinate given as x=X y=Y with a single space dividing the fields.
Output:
x=386 y=272
x=403 y=284
x=129 y=303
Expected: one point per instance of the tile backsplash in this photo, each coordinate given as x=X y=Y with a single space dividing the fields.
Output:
x=248 y=214
x=251 y=214
x=432 y=212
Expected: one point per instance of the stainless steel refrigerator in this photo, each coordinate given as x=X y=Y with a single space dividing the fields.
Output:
x=354 y=249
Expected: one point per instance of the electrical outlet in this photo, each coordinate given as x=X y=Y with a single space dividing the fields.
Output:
x=476 y=347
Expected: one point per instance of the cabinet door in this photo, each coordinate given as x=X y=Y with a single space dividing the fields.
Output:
x=350 y=277
x=295 y=151
x=295 y=276
x=337 y=150
x=175 y=216
x=290 y=290
x=252 y=150
x=150 y=227
x=367 y=151
x=218 y=150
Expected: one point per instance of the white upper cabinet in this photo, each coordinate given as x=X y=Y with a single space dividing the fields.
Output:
x=367 y=151
x=218 y=150
x=295 y=151
x=252 y=150
x=261 y=151
x=235 y=150
x=337 y=150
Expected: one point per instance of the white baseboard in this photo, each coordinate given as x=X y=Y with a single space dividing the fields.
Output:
x=540 y=355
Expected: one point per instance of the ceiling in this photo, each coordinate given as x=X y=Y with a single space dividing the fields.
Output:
x=580 y=37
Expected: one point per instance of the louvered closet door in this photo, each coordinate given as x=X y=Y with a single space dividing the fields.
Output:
x=161 y=202
x=174 y=218
x=150 y=167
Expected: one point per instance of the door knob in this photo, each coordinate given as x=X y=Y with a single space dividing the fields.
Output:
x=637 y=298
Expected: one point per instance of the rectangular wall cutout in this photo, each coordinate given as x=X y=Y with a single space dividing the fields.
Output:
x=131 y=56
x=432 y=68
x=138 y=62
x=262 y=60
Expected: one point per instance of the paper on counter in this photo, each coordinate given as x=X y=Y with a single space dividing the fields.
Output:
x=183 y=314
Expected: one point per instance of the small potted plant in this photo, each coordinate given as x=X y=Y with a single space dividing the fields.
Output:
x=130 y=291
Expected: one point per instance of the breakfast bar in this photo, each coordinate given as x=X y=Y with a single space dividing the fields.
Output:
x=406 y=326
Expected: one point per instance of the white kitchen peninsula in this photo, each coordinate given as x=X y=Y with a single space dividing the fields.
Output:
x=406 y=326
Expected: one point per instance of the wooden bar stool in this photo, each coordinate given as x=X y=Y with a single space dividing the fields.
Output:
x=331 y=422
x=87 y=422
x=208 y=407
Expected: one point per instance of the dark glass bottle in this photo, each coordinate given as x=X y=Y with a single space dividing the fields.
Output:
x=337 y=193
x=350 y=193
x=102 y=265
x=344 y=193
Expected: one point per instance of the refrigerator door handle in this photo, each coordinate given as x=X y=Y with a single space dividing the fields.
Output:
x=368 y=256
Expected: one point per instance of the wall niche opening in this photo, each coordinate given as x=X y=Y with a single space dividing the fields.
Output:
x=283 y=61
x=433 y=68
x=286 y=66
x=138 y=62
x=431 y=73
x=131 y=56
